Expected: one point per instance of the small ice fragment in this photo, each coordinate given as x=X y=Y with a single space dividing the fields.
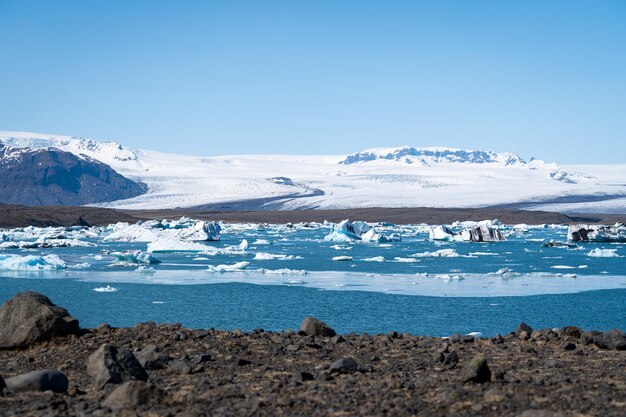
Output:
x=342 y=258
x=108 y=288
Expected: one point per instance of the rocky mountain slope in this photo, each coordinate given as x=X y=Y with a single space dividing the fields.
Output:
x=49 y=176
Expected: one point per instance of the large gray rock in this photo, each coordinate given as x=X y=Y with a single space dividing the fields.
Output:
x=476 y=371
x=314 y=327
x=30 y=318
x=44 y=380
x=613 y=339
x=133 y=394
x=151 y=357
x=344 y=366
x=112 y=365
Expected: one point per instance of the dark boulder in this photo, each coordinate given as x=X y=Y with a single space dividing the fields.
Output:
x=112 y=365
x=476 y=371
x=44 y=380
x=344 y=366
x=133 y=394
x=314 y=327
x=151 y=357
x=613 y=339
x=523 y=327
x=30 y=318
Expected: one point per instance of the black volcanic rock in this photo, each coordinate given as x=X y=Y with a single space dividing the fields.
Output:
x=50 y=176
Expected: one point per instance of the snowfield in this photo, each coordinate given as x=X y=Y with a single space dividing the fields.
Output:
x=381 y=177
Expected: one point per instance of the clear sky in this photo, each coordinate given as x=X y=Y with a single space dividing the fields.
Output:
x=543 y=78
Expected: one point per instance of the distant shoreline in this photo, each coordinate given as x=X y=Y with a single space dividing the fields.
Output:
x=22 y=216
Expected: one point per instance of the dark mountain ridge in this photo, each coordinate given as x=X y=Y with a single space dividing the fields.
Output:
x=43 y=177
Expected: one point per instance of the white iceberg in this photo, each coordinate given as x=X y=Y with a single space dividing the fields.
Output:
x=603 y=253
x=442 y=253
x=239 y=266
x=375 y=259
x=150 y=231
x=108 y=288
x=175 y=245
x=342 y=258
x=347 y=231
x=135 y=257
x=31 y=263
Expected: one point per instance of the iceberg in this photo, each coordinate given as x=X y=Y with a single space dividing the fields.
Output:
x=442 y=253
x=175 y=245
x=31 y=263
x=108 y=288
x=342 y=258
x=239 y=266
x=603 y=253
x=347 y=231
x=150 y=231
x=135 y=257
x=45 y=243
x=597 y=233
x=482 y=232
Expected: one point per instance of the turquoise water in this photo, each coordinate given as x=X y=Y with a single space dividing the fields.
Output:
x=406 y=292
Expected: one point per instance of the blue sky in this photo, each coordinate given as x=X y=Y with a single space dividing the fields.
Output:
x=543 y=78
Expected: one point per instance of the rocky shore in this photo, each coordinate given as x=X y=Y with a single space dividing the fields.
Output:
x=50 y=366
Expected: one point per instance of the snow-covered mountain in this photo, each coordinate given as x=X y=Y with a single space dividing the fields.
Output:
x=381 y=177
x=49 y=176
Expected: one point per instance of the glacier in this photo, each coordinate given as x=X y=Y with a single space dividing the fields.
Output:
x=379 y=177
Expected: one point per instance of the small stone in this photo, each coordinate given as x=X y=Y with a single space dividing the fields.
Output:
x=344 y=366
x=241 y=362
x=476 y=371
x=303 y=377
x=202 y=358
x=551 y=363
x=451 y=359
x=132 y=394
x=572 y=331
x=337 y=339
x=179 y=366
x=44 y=380
x=314 y=327
x=2 y=385
x=523 y=327
x=112 y=365
x=461 y=338
x=150 y=357
x=568 y=346
x=539 y=413
x=524 y=335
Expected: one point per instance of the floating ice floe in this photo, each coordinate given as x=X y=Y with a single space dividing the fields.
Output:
x=152 y=230
x=45 y=243
x=244 y=245
x=405 y=260
x=342 y=258
x=374 y=259
x=442 y=253
x=262 y=256
x=556 y=244
x=31 y=263
x=347 y=231
x=283 y=271
x=175 y=245
x=261 y=242
x=597 y=233
x=238 y=266
x=132 y=258
x=108 y=288
x=603 y=253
